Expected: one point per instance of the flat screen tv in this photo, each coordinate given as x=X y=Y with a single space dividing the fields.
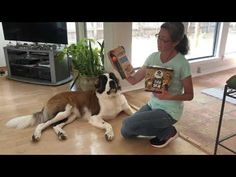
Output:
x=48 y=32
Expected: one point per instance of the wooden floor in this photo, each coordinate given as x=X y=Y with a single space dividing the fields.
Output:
x=18 y=98
x=199 y=122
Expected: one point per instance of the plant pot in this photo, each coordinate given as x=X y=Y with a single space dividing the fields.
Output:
x=86 y=83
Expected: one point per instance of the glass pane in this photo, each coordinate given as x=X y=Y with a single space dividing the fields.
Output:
x=231 y=39
x=201 y=39
x=143 y=41
x=71 y=32
x=95 y=30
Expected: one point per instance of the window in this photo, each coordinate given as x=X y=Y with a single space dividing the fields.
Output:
x=230 y=43
x=71 y=32
x=95 y=30
x=202 y=37
x=144 y=41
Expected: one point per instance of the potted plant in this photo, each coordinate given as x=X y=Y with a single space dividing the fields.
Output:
x=87 y=61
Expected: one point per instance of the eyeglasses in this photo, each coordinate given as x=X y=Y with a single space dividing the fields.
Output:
x=162 y=40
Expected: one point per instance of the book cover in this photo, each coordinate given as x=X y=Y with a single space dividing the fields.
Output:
x=120 y=62
x=157 y=78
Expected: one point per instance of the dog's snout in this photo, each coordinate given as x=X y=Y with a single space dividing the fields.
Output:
x=112 y=84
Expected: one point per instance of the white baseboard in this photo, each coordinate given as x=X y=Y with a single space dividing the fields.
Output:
x=212 y=66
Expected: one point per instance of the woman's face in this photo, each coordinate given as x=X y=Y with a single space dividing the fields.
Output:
x=164 y=41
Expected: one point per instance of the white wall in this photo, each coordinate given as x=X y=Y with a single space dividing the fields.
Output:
x=118 y=33
x=2 y=44
x=214 y=65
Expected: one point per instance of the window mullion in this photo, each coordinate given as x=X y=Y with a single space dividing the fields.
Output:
x=223 y=39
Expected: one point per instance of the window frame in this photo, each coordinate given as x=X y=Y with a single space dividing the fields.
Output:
x=215 y=42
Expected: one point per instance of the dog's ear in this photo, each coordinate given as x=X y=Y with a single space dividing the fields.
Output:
x=113 y=76
x=100 y=83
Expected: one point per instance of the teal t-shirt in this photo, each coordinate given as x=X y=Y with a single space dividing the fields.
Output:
x=182 y=70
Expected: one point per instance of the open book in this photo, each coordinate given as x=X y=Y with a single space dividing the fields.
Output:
x=120 y=62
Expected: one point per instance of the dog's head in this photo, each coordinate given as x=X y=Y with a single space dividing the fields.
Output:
x=107 y=83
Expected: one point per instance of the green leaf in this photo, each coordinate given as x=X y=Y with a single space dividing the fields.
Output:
x=86 y=58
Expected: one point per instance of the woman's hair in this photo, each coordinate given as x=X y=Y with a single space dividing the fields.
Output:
x=176 y=30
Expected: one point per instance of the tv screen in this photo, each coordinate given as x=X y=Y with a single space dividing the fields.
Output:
x=49 y=32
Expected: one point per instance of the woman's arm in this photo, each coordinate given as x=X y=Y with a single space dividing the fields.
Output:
x=138 y=76
x=186 y=96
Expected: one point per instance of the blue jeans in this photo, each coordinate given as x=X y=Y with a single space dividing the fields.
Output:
x=148 y=122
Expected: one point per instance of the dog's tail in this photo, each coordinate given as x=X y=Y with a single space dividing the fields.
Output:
x=21 y=122
x=26 y=121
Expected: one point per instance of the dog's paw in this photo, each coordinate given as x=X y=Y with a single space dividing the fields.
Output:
x=109 y=136
x=35 y=138
x=62 y=136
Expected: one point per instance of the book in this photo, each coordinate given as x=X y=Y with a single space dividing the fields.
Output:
x=120 y=62
x=157 y=78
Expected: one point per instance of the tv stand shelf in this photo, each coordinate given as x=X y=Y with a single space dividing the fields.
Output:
x=37 y=66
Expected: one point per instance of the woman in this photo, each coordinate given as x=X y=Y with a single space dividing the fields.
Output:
x=164 y=109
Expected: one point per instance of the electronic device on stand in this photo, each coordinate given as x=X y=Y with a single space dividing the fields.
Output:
x=33 y=58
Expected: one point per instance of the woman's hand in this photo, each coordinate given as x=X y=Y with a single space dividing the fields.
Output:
x=138 y=76
x=186 y=96
x=131 y=80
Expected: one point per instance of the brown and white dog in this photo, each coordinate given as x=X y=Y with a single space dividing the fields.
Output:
x=105 y=103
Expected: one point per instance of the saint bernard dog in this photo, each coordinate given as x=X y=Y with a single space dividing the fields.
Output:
x=97 y=106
